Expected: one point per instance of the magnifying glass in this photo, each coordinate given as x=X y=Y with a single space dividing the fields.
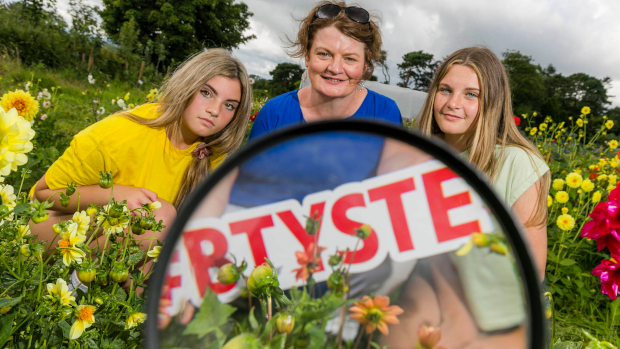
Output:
x=343 y=234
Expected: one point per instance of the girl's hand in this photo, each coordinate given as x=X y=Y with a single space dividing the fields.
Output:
x=136 y=197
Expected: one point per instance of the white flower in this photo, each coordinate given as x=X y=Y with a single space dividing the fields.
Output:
x=101 y=110
x=95 y=101
x=7 y=193
x=27 y=85
x=46 y=94
x=91 y=80
x=113 y=101
x=154 y=253
x=39 y=95
x=140 y=82
x=47 y=104
x=121 y=103
x=44 y=116
x=251 y=81
x=155 y=205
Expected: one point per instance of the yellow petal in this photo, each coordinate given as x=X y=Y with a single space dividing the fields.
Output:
x=76 y=329
x=465 y=249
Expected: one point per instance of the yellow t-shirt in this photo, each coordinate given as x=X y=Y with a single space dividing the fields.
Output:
x=137 y=155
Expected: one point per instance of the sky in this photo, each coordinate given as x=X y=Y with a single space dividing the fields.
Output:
x=576 y=36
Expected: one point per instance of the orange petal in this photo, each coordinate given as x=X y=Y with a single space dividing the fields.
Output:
x=370 y=328
x=382 y=327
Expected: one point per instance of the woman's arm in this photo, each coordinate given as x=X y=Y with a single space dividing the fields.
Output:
x=94 y=194
x=524 y=208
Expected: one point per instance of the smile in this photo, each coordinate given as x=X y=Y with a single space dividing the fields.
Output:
x=332 y=79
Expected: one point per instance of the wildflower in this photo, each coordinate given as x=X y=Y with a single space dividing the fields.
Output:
x=69 y=252
x=596 y=197
x=549 y=201
x=23 y=102
x=127 y=96
x=121 y=103
x=100 y=111
x=134 y=320
x=154 y=253
x=610 y=188
x=612 y=179
x=39 y=95
x=579 y=122
x=585 y=110
x=587 y=185
x=609 y=275
x=43 y=117
x=140 y=82
x=85 y=319
x=91 y=80
x=27 y=85
x=574 y=180
x=613 y=144
x=251 y=81
x=95 y=101
x=542 y=126
x=16 y=134
x=59 y=292
x=534 y=114
x=561 y=197
x=558 y=184
x=47 y=94
x=517 y=120
x=609 y=124
x=308 y=261
x=155 y=205
x=533 y=131
x=375 y=313
x=566 y=222
x=564 y=210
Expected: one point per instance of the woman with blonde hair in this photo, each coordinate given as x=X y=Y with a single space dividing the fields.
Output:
x=158 y=151
x=476 y=299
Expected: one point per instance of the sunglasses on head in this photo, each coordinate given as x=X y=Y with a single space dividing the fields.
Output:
x=356 y=14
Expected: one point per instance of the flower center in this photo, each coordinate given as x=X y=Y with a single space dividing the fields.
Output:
x=19 y=105
x=374 y=315
x=85 y=313
x=64 y=243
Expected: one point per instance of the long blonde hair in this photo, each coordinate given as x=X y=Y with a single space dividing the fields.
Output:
x=178 y=91
x=494 y=124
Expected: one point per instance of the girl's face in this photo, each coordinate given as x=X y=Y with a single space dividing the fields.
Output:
x=211 y=109
x=457 y=102
x=335 y=63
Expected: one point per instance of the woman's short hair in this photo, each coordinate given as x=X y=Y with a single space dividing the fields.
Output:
x=367 y=33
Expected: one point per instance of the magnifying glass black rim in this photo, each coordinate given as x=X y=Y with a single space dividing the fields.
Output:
x=433 y=147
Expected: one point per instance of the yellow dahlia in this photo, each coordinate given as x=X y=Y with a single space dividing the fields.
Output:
x=134 y=320
x=558 y=184
x=549 y=201
x=561 y=197
x=69 y=252
x=587 y=185
x=612 y=179
x=613 y=144
x=596 y=197
x=574 y=180
x=15 y=136
x=579 y=122
x=585 y=110
x=83 y=221
x=85 y=319
x=564 y=210
x=566 y=222
x=609 y=124
x=58 y=292
x=23 y=102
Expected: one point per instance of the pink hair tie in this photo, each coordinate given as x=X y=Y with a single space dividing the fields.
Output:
x=201 y=151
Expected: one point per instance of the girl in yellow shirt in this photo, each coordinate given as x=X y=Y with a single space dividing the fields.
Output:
x=157 y=151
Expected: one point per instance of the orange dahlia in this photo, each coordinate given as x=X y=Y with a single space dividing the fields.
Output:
x=308 y=261
x=26 y=105
x=375 y=313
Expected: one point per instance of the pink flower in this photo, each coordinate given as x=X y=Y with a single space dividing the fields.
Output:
x=605 y=225
x=610 y=276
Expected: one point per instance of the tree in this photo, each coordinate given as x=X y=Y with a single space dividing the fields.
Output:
x=183 y=27
x=128 y=39
x=84 y=27
x=36 y=10
x=417 y=69
x=381 y=63
x=526 y=82
x=284 y=77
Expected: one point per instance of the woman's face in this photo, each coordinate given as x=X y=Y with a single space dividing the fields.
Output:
x=457 y=102
x=212 y=108
x=335 y=63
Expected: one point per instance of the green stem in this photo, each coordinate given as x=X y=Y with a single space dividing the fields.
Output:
x=10 y=271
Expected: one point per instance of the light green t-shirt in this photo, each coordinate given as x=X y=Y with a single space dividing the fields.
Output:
x=489 y=281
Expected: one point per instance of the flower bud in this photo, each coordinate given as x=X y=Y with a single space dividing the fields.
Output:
x=116 y=210
x=261 y=277
x=428 y=337
x=242 y=341
x=57 y=228
x=334 y=260
x=481 y=239
x=499 y=248
x=335 y=282
x=312 y=226
x=364 y=231
x=228 y=274
x=25 y=250
x=87 y=274
x=37 y=249
x=91 y=211
x=285 y=323
x=137 y=229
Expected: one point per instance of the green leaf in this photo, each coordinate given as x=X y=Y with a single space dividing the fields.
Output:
x=120 y=294
x=64 y=326
x=9 y=302
x=91 y=343
x=6 y=324
x=21 y=209
x=252 y=320
x=567 y=261
x=568 y=345
x=211 y=316
x=135 y=258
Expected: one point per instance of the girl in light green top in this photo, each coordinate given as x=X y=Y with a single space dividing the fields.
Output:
x=476 y=300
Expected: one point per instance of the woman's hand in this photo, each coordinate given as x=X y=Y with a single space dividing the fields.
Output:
x=136 y=197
